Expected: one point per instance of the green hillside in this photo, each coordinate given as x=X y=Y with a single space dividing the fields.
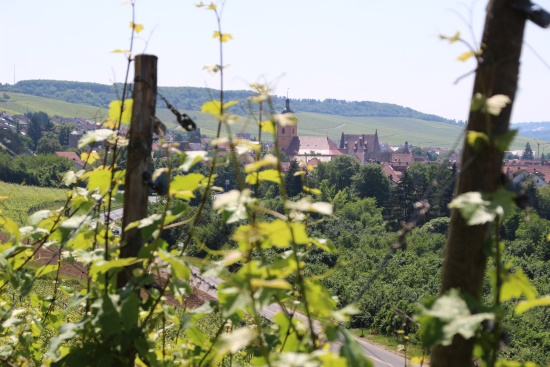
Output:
x=393 y=130
x=21 y=103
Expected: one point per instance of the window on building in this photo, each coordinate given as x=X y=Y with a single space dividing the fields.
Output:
x=283 y=131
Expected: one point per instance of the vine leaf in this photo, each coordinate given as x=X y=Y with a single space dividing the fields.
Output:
x=465 y=56
x=137 y=27
x=449 y=315
x=480 y=209
x=530 y=303
x=224 y=37
x=516 y=285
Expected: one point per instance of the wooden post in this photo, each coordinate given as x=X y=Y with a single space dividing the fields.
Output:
x=465 y=258
x=136 y=191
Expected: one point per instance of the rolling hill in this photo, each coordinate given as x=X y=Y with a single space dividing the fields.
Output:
x=393 y=130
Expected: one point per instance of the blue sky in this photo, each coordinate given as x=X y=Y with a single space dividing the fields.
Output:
x=384 y=51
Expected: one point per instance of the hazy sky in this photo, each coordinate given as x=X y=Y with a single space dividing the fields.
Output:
x=384 y=51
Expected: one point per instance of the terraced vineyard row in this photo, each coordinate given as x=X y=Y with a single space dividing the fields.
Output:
x=21 y=201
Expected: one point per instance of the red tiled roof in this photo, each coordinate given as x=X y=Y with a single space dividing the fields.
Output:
x=392 y=174
x=511 y=170
x=72 y=156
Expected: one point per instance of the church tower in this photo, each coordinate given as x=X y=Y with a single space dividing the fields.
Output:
x=285 y=134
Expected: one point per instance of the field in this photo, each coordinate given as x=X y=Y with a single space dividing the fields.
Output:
x=22 y=103
x=24 y=200
x=391 y=130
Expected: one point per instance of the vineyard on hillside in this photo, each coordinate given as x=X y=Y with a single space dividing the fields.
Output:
x=19 y=201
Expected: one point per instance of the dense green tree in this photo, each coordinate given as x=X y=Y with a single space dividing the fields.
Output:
x=40 y=122
x=293 y=183
x=371 y=182
x=339 y=171
x=63 y=131
x=528 y=152
x=48 y=143
x=543 y=202
x=442 y=181
x=40 y=170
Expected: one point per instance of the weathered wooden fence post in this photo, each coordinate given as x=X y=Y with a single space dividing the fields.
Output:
x=136 y=191
x=465 y=255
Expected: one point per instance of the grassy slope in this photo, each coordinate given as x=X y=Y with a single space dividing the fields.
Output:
x=20 y=103
x=22 y=200
x=393 y=130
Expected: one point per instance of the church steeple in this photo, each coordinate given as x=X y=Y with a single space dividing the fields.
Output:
x=285 y=134
x=287 y=108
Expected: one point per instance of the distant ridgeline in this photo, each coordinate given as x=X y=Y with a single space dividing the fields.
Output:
x=191 y=98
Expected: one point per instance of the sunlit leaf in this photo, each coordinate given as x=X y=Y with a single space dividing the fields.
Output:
x=224 y=37
x=95 y=136
x=465 y=56
x=268 y=127
x=115 y=109
x=136 y=27
x=99 y=179
x=480 y=209
x=449 y=315
x=192 y=158
x=496 y=103
x=102 y=266
x=477 y=139
x=184 y=186
x=516 y=284
x=271 y=175
x=43 y=270
x=89 y=157
x=526 y=305
x=269 y=160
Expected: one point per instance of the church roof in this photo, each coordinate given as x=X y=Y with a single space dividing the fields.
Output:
x=303 y=145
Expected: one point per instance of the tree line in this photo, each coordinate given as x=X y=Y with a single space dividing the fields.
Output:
x=192 y=98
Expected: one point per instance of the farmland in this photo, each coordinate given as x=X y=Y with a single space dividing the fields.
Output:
x=19 y=201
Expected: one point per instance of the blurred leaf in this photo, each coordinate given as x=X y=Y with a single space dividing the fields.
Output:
x=95 y=136
x=465 y=56
x=136 y=27
x=526 y=305
x=516 y=285
x=503 y=141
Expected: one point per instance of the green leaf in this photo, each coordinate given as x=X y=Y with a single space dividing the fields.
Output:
x=530 y=303
x=352 y=351
x=39 y=216
x=233 y=342
x=516 y=285
x=43 y=270
x=449 y=315
x=10 y=226
x=318 y=297
x=503 y=141
x=480 y=209
x=268 y=127
x=271 y=175
x=101 y=266
x=115 y=109
x=179 y=269
x=503 y=363
x=99 y=179
x=477 y=139
x=183 y=186
x=212 y=107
